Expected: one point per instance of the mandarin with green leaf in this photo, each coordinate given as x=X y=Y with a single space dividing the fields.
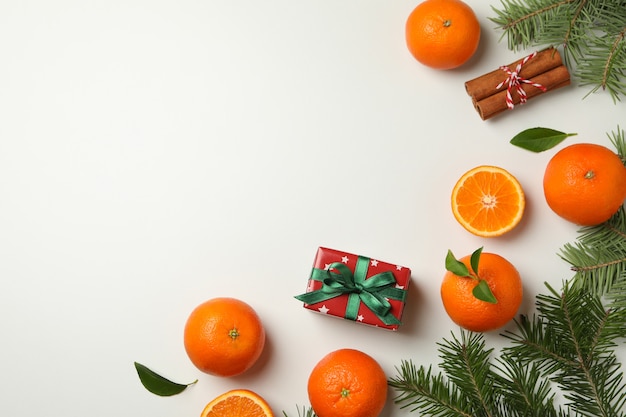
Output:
x=459 y=295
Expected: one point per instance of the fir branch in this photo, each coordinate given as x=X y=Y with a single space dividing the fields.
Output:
x=420 y=389
x=599 y=258
x=573 y=344
x=542 y=344
x=469 y=386
x=531 y=13
x=466 y=362
x=605 y=64
x=577 y=26
x=617 y=296
x=523 y=22
x=618 y=139
x=570 y=345
x=526 y=391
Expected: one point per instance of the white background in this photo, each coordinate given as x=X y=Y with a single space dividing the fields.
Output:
x=155 y=154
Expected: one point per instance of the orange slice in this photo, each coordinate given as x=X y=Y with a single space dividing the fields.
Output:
x=237 y=403
x=488 y=201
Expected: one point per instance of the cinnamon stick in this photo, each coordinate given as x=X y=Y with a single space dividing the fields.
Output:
x=485 y=85
x=496 y=103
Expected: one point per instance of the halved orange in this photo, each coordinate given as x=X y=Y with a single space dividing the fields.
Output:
x=237 y=403
x=488 y=201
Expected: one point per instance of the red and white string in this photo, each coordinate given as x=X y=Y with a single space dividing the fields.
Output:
x=515 y=81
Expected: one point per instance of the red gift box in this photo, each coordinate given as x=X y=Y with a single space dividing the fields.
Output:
x=357 y=288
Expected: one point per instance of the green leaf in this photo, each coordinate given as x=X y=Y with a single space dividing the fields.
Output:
x=475 y=258
x=157 y=384
x=483 y=292
x=455 y=266
x=539 y=139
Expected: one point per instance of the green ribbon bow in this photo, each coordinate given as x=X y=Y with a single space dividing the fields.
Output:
x=373 y=292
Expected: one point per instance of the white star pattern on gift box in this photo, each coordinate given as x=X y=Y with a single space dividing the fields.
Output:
x=375 y=266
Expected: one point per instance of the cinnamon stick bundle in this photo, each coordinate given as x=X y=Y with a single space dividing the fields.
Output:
x=502 y=89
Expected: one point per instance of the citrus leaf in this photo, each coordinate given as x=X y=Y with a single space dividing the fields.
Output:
x=475 y=258
x=157 y=384
x=455 y=266
x=539 y=139
x=483 y=292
